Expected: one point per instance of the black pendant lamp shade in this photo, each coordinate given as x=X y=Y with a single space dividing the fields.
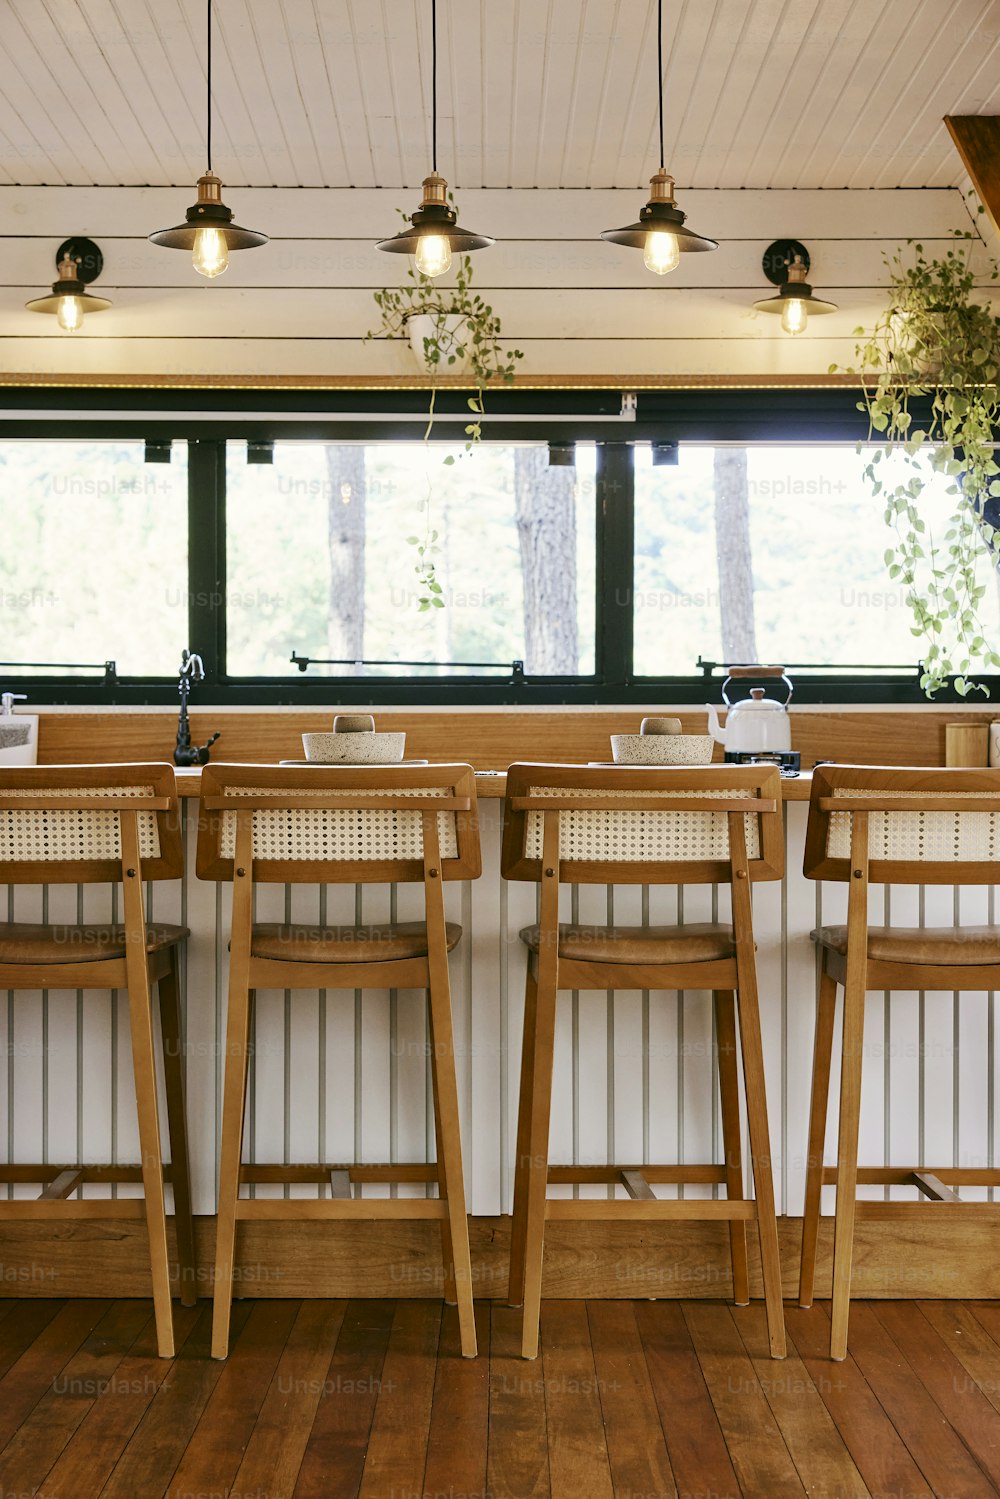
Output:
x=208 y=231
x=786 y=266
x=434 y=232
x=78 y=262
x=661 y=233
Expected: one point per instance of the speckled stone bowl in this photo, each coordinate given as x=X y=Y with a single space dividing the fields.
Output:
x=354 y=748
x=662 y=749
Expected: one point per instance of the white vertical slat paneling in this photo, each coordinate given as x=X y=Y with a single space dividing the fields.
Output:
x=343 y=1079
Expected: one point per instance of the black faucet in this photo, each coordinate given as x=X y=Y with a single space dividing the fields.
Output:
x=192 y=669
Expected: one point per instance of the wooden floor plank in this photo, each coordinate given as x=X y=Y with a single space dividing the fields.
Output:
x=757 y=1449
x=578 y=1449
x=939 y=1452
x=458 y=1437
x=637 y=1450
x=274 y=1453
x=397 y=1444
x=20 y=1329
x=958 y=1326
x=155 y=1449
x=34 y=1449
x=27 y=1380
x=88 y=1458
x=958 y=1398
x=220 y=1439
x=334 y=1458
x=695 y=1443
x=517 y=1459
x=817 y=1449
x=875 y=1445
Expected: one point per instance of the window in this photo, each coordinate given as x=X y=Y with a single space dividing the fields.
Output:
x=769 y=553
x=323 y=559
x=557 y=542
x=93 y=555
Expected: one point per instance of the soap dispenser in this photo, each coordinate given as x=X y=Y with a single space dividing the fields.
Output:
x=18 y=732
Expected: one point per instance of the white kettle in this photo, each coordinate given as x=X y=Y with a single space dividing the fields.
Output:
x=759 y=726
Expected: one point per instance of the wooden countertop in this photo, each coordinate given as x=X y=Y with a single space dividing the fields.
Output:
x=493 y=784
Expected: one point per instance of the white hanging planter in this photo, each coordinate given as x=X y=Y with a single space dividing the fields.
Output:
x=450 y=332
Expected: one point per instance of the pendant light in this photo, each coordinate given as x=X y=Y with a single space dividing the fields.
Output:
x=208 y=231
x=78 y=262
x=786 y=266
x=434 y=232
x=660 y=233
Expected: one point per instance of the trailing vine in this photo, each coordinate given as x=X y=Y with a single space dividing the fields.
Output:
x=465 y=333
x=937 y=346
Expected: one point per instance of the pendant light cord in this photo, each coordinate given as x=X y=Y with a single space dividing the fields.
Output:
x=434 y=85
x=659 y=71
x=208 y=99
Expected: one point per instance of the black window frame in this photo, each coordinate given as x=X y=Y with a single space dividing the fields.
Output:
x=207 y=418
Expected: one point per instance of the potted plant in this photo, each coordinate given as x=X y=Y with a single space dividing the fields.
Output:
x=451 y=330
x=937 y=348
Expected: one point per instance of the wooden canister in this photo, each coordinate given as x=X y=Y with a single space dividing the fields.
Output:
x=967 y=744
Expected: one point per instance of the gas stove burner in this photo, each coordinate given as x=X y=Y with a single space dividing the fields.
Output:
x=789 y=762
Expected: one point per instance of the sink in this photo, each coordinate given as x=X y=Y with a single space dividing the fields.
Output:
x=18 y=740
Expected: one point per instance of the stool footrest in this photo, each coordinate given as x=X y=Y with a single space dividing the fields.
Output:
x=45 y=1174
x=689 y=1174
x=927 y=1179
x=271 y=1209
x=320 y=1173
x=688 y=1209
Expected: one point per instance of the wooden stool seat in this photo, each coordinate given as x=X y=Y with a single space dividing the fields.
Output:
x=588 y=825
x=377 y=942
x=701 y=942
x=956 y=946
x=93 y=942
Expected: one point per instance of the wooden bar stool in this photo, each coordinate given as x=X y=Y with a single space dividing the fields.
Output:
x=591 y=825
x=118 y=824
x=333 y=825
x=903 y=827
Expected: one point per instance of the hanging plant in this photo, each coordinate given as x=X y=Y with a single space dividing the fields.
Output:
x=452 y=330
x=937 y=345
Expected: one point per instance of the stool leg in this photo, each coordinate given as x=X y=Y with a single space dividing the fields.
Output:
x=826 y=1004
x=144 y=1072
x=760 y=1156
x=535 y=1158
x=729 y=1096
x=233 y=1108
x=847 y=1165
x=459 y=1270
x=447 y=1252
x=519 y=1222
x=173 y=1068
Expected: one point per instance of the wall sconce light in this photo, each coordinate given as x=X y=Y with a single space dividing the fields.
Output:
x=786 y=265
x=665 y=454
x=562 y=455
x=260 y=450
x=158 y=450
x=79 y=262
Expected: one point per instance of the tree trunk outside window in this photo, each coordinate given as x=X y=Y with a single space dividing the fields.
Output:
x=545 y=504
x=346 y=496
x=732 y=547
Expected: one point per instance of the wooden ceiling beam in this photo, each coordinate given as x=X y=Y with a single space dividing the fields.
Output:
x=978 y=140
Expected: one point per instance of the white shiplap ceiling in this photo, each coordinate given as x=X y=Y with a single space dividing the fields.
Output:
x=533 y=93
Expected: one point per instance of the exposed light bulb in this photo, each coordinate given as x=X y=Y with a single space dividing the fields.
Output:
x=794 y=315
x=70 y=314
x=433 y=254
x=210 y=253
x=661 y=253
